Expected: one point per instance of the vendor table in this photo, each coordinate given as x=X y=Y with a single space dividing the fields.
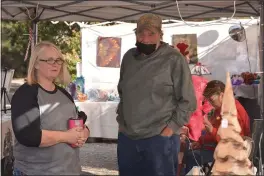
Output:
x=101 y=118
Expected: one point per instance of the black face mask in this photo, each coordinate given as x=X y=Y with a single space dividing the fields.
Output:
x=146 y=49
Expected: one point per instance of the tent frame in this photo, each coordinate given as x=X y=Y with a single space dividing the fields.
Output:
x=160 y=6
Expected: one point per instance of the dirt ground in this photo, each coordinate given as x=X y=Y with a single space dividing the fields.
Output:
x=99 y=159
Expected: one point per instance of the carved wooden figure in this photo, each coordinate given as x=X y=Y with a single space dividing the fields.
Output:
x=231 y=154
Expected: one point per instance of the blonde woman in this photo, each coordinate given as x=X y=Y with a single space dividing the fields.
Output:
x=40 y=113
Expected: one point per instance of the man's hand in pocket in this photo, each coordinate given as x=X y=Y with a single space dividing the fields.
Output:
x=167 y=132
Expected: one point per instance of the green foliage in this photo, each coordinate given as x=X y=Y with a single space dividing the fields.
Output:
x=15 y=43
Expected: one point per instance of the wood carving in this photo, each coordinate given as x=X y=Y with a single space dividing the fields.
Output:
x=231 y=154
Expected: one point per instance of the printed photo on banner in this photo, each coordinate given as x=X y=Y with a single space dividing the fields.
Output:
x=108 y=52
x=187 y=45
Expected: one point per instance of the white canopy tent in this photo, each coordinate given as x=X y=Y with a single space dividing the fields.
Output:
x=130 y=10
x=125 y=10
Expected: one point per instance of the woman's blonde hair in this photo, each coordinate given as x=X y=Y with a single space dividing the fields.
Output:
x=63 y=77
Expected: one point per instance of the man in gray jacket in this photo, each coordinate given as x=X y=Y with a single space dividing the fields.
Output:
x=156 y=100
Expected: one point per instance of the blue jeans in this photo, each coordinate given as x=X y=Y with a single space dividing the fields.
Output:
x=176 y=147
x=155 y=156
x=17 y=172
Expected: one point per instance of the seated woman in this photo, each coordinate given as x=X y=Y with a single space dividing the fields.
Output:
x=40 y=114
x=204 y=148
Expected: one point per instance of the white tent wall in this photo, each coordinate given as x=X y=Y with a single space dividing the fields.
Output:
x=103 y=77
x=215 y=49
x=232 y=56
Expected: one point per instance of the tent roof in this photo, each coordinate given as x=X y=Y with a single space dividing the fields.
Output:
x=125 y=10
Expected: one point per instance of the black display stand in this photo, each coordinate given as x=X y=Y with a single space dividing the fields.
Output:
x=4 y=94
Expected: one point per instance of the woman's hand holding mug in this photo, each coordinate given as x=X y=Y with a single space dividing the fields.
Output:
x=73 y=135
x=85 y=133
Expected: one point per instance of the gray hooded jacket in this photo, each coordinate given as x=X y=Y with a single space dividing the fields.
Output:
x=155 y=91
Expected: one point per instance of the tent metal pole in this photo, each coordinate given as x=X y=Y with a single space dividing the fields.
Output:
x=35 y=32
x=261 y=53
x=34 y=25
x=261 y=56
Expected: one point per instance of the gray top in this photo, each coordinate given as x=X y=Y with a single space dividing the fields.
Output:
x=35 y=109
x=155 y=91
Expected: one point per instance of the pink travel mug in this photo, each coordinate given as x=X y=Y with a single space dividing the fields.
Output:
x=75 y=122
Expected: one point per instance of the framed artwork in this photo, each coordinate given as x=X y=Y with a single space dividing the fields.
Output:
x=187 y=45
x=108 y=52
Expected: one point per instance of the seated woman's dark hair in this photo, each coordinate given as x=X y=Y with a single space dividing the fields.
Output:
x=213 y=87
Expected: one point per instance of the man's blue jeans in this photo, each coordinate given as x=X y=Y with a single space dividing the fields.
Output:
x=17 y=172
x=155 y=156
